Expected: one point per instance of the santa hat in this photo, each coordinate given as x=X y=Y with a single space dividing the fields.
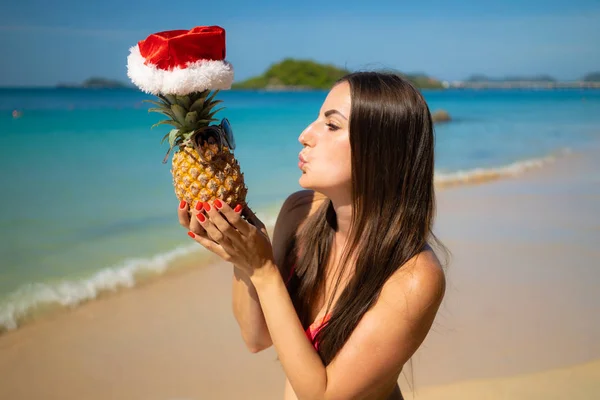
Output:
x=181 y=62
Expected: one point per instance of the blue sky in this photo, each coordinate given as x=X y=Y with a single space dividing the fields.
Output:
x=43 y=43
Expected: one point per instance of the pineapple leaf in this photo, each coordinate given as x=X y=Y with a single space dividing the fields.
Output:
x=172 y=99
x=191 y=118
x=164 y=137
x=163 y=111
x=166 y=121
x=156 y=103
x=166 y=111
x=212 y=96
x=205 y=121
x=197 y=106
x=211 y=115
x=173 y=137
x=184 y=101
x=188 y=135
x=212 y=106
x=204 y=112
x=179 y=113
x=213 y=103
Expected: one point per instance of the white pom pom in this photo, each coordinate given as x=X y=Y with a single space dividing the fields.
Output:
x=198 y=76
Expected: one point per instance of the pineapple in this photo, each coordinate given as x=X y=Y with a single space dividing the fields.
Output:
x=203 y=165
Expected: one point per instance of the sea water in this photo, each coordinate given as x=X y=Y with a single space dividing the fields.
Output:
x=87 y=204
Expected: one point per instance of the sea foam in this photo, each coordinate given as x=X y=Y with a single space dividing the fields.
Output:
x=34 y=297
x=483 y=175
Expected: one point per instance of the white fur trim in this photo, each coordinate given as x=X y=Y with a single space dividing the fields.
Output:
x=197 y=77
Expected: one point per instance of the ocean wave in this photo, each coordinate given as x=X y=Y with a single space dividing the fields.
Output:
x=483 y=175
x=34 y=298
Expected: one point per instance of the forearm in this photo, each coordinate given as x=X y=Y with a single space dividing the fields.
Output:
x=301 y=363
x=248 y=313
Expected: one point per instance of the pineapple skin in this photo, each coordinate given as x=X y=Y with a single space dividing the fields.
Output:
x=220 y=178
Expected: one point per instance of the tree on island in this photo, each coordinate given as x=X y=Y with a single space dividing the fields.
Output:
x=307 y=74
x=290 y=73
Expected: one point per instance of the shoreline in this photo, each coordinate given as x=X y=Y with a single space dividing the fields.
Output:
x=518 y=320
x=59 y=296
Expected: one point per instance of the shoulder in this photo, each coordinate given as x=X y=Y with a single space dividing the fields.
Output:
x=297 y=207
x=393 y=329
x=405 y=310
x=293 y=213
x=417 y=288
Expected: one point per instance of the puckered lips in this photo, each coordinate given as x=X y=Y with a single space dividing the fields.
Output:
x=301 y=161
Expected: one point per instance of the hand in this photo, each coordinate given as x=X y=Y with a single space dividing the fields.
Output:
x=223 y=231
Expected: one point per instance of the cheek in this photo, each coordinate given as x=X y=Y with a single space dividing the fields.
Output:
x=342 y=167
x=335 y=166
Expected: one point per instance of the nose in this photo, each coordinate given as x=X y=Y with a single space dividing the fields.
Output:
x=306 y=137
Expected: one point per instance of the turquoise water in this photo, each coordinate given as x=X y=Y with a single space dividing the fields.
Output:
x=87 y=202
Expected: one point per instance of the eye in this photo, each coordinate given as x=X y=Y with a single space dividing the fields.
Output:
x=332 y=127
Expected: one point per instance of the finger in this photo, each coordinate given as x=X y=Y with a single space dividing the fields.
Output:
x=213 y=232
x=195 y=225
x=233 y=216
x=199 y=222
x=182 y=214
x=216 y=219
x=211 y=246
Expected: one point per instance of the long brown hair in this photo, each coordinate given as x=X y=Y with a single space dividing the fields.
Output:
x=393 y=203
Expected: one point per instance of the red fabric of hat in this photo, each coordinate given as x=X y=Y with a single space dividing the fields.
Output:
x=171 y=49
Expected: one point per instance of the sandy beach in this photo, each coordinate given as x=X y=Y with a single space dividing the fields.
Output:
x=520 y=318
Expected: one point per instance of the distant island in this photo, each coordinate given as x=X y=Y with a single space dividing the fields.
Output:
x=535 y=78
x=591 y=80
x=96 y=83
x=592 y=77
x=294 y=74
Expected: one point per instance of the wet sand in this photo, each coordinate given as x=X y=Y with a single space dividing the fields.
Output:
x=519 y=319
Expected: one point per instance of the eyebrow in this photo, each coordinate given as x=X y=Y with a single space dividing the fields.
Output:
x=329 y=112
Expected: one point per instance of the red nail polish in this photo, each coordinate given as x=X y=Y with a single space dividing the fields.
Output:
x=207 y=206
x=201 y=217
x=191 y=234
x=218 y=204
x=238 y=208
x=199 y=206
x=182 y=204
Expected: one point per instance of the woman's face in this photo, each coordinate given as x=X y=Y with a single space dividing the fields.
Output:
x=325 y=158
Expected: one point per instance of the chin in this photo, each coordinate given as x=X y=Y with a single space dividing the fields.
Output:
x=308 y=185
x=304 y=182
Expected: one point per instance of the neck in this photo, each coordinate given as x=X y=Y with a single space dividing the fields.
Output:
x=343 y=212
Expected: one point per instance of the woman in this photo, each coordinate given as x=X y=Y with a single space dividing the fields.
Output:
x=349 y=286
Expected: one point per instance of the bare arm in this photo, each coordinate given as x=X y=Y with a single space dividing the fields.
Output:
x=246 y=306
x=248 y=313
